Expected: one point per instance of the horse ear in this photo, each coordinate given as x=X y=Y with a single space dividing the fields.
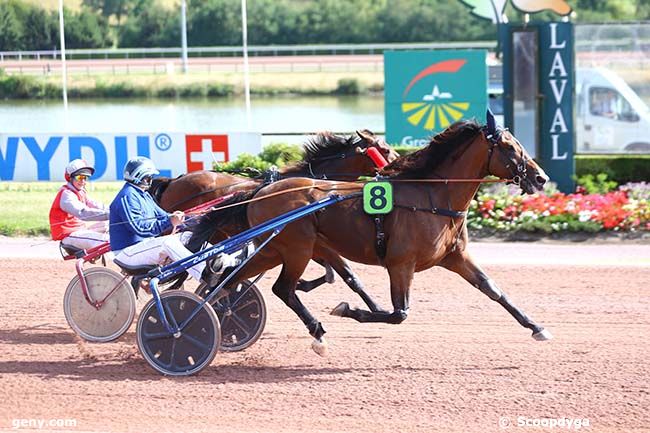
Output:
x=366 y=135
x=491 y=122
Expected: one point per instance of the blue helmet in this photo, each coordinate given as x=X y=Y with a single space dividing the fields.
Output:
x=139 y=171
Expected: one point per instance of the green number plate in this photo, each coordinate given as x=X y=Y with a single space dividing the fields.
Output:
x=378 y=198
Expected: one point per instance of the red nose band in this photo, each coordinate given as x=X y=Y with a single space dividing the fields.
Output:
x=376 y=157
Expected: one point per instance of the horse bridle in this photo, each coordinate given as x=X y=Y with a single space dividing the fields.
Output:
x=517 y=170
x=349 y=152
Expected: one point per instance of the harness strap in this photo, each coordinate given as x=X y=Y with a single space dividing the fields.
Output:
x=380 y=237
x=435 y=210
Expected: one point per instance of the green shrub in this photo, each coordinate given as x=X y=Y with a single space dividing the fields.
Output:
x=280 y=154
x=216 y=89
x=195 y=90
x=618 y=168
x=244 y=161
x=119 y=90
x=348 y=86
x=17 y=86
x=597 y=184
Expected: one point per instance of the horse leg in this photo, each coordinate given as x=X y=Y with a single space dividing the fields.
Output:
x=463 y=265
x=284 y=288
x=342 y=267
x=309 y=285
x=400 y=284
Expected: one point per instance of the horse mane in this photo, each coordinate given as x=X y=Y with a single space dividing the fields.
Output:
x=325 y=144
x=212 y=221
x=421 y=162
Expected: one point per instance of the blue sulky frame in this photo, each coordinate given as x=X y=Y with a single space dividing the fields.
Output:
x=230 y=245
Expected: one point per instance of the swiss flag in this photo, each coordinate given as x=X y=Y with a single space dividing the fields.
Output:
x=201 y=151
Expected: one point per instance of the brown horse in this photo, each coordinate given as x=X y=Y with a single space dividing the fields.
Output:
x=426 y=227
x=327 y=156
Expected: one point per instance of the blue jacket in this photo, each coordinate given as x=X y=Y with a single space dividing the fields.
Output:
x=135 y=216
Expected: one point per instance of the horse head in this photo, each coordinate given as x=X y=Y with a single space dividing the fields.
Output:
x=508 y=159
x=370 y=140
x=342 y=158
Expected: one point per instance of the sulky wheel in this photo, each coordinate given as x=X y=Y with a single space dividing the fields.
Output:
x=242 y=313
x=192 y=348
x=115 y=311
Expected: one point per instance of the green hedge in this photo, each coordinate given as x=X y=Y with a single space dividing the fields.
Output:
x=619 y=168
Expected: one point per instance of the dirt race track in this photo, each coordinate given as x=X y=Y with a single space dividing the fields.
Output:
x=459 y=363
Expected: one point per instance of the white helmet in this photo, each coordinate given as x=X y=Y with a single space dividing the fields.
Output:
x=78 y=166
x=139 y=171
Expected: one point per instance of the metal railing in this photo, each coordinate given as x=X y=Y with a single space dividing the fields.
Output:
x=254 y=50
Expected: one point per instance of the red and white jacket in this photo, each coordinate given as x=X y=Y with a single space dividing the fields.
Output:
x=71 y=207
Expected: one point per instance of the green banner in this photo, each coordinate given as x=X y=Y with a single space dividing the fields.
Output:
x=426 y=91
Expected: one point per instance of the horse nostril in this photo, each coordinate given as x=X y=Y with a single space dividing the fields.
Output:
x=541 y=180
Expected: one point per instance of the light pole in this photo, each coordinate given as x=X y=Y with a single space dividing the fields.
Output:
x=247 y=83
x=184 y=34
x=64 y=71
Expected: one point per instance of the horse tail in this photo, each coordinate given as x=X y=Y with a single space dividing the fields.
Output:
x=231 y=220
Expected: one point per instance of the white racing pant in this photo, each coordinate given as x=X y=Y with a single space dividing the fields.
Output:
x=86 y=239
x=154 y=251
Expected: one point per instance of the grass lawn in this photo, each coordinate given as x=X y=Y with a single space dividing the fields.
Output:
x=26 y=205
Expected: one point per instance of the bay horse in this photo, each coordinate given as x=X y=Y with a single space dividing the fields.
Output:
x=326 y=156
x=426 y=227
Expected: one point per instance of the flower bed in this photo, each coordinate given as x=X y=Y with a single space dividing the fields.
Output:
x=499 y=208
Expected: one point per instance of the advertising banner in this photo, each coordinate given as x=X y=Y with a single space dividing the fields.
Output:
x=426 y=91
x=25 y=157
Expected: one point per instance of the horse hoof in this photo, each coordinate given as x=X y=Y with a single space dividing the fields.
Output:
x=319 y=346
x=542 y=335
x=329 y=275
x=340 y=309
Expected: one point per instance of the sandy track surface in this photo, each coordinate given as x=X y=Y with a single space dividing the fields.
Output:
x=459 y=363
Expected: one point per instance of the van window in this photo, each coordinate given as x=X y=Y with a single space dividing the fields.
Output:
x=495 y=101
x=607 y=102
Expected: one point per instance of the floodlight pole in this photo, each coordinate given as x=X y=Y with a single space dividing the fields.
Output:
x=184 y=34
x=64 y=71
x=247 y=83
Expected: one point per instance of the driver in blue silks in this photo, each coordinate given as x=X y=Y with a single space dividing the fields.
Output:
x=136 y=223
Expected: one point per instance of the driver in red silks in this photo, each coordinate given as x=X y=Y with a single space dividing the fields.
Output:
x=72 y=208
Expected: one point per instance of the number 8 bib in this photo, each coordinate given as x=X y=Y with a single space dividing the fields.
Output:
x=378 y=198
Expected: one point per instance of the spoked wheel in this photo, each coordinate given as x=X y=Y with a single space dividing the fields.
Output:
x=188 y=351
x=242 y=313
x=114 y=315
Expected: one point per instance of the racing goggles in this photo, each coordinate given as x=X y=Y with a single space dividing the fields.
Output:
x=80 y=177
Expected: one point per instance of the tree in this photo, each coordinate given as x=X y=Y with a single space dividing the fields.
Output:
x=85 y=30
x=153 y=27
x=11 y=34
x=109 y=8
x=43 y=29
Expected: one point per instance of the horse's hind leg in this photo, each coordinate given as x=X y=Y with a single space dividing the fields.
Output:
x=462 y=264
x=400 y=283
x=342 y=267
x=284 y=288
x=309 y=285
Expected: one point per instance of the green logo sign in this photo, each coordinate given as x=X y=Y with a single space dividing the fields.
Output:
x=425 y=92
x=378 y=198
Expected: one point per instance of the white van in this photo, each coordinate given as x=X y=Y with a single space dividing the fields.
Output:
x=610 y=116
